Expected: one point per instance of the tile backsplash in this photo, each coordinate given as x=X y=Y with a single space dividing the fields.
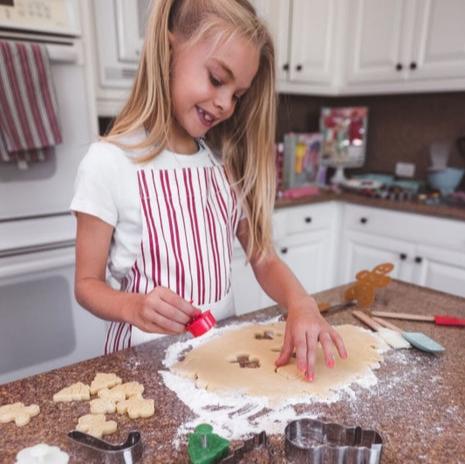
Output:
x=400 y=127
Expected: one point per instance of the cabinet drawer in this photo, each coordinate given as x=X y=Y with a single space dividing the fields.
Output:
x=310 y=217
x=417 y=228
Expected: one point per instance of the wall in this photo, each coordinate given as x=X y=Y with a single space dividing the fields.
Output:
x=400 y=127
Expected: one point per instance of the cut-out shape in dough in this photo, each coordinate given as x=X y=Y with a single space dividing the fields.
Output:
x=209 y=364
x=245 y=361
x=76 y=392
x=17 y=412
x=136 y=407
x=265 y=335
x=102 y=406
x=96 y=425
x=103 y=380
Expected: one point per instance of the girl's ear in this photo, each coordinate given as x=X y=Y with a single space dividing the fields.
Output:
x=171 y=38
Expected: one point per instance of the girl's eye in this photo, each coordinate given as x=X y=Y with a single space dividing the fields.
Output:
x=215 y=82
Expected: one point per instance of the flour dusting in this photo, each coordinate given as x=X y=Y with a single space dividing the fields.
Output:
x=234 y=415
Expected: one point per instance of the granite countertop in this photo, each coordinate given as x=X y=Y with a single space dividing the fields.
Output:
x=418 y=404
x=440 y=210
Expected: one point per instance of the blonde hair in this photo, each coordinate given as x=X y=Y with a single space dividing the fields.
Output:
x=245 y=140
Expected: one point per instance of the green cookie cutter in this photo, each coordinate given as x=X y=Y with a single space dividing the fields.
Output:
x=206 y=447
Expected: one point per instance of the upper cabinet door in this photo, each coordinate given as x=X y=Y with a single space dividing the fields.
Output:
x=438 y=40
x=276 y=15
x=312 y=40
x=377 y=32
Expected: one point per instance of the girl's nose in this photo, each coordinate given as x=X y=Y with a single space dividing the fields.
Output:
x=224 y=101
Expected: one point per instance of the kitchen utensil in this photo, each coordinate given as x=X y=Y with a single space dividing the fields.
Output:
x=313 y=441
x=445 y=180
x=128 y=452
x=326 y=309
x=391 y=337
x=439 y=319
x=257 y=441
x=439 y=153
x=417 y=339
x=201 y=324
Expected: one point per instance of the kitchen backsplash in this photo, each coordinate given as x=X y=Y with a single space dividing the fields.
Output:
x=400 y=127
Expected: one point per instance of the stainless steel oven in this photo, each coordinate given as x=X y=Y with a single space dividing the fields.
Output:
x=41 y=325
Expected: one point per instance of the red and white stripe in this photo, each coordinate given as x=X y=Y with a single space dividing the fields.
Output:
x=29 y=127
x=190 y=217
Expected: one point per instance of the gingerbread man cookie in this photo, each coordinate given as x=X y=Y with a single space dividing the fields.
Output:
x=96 y=425
x=129 y=389
x=102 y=406
x=136 y=407
x=102 y=381
x=75 y=392
x=18 y=413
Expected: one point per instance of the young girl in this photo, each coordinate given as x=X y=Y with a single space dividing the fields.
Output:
x=187 y=167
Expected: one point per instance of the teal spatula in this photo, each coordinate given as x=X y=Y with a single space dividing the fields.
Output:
x=417 y=339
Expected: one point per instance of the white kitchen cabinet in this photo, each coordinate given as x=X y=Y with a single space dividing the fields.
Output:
x=305 y=34
x=405 y=45
x=425 y=250
x=305 y=239
x=114 y=36
x=440 y=269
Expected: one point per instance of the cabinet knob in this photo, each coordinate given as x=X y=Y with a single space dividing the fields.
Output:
x=308 y=219
x=363 y=220
x=299 y=67
x=399 y=67
x=418 y=259
x=413 y=65
x=284 y=250
x=286 y=67
x=403 y=256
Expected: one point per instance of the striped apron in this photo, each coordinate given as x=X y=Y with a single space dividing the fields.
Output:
x=189 y=218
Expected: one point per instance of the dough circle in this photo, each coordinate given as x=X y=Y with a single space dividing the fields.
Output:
x=216 y=364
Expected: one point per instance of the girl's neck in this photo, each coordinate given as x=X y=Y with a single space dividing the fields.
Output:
x=181 y=142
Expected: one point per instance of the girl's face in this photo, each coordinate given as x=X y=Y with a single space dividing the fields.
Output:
x=208 y=79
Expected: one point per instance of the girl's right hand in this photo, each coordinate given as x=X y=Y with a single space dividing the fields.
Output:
x=163 y=311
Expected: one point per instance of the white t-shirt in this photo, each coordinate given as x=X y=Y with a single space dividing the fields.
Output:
x=106 y=187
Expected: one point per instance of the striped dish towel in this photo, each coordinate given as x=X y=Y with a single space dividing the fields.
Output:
x=29 y=127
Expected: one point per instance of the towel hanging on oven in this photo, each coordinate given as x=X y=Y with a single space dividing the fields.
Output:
x=29 y=127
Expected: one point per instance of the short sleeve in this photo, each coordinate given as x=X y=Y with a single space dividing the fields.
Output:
x=95 y=185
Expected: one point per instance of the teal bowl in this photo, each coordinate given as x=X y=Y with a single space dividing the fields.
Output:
x=445 y=180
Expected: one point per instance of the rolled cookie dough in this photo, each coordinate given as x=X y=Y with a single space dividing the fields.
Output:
x=244 y=360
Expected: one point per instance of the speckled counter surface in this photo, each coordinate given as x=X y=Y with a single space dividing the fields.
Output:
x=418 y=404
x=444 y=211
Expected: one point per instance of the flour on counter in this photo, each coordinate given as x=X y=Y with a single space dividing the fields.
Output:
x=234 y=415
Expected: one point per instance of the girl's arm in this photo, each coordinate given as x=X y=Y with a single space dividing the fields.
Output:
x=160 y=311
x=305 y=326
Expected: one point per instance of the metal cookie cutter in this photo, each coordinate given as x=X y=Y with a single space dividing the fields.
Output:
x=309 y=441
x=257 y=441
x=128 y=452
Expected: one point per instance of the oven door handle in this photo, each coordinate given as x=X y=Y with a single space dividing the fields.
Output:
x=72 y=54
x=40 y=258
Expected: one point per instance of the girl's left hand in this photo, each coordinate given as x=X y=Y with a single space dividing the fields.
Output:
x=305 y=327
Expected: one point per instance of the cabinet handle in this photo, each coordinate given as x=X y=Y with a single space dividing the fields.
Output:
x=399 y=67
x=299 y=67
x=308 y=219
x=363 y=220
x=413 y=65
x=286 y=67
x=418 y=259
x=403 y=256
x=284 y=250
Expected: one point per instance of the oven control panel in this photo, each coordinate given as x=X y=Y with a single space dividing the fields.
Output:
x=48 y=16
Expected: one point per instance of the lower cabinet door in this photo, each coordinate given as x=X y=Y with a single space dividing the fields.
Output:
x=440 y=269
x=309 y=257
x=365 y=251
x=246 y=290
